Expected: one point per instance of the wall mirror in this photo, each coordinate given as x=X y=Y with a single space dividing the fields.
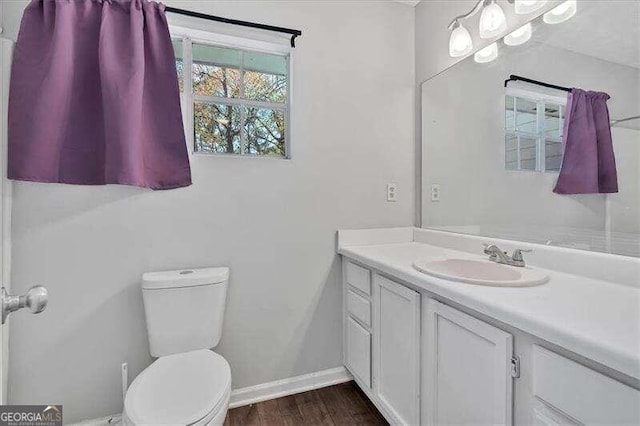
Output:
x=491 y=154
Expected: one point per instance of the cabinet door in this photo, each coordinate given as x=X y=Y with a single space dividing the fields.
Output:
x=358 y=351
x=466 y=376
x=581 y=393
x=396 y=334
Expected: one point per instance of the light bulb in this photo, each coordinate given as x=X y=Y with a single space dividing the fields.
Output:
x=492 y=21
x=487 y=54
x=527 y=6
x=460 y=41
x=519 y=36
x=562 y=12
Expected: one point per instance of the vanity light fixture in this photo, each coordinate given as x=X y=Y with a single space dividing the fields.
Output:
x=519 y=36
x=562 y=12
x=493 y=23
x=492 y=20
x=487 y=54
x=522 y=7
x=460 y=42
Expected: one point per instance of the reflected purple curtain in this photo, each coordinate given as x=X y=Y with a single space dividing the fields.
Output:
x=94 y=96
x=588 y=163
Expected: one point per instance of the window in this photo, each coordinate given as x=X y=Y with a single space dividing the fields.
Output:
x=533 y=132
x=235 y=99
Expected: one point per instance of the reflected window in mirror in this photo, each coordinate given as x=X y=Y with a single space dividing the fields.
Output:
x=533 y=132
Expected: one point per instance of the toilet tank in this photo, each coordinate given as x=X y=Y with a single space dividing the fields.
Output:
x=184 y=309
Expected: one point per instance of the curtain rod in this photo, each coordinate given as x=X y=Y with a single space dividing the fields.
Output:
x=294 y=33
x=620 y=120
x=513 y=77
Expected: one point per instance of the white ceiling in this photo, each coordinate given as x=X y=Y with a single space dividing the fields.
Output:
x=608 y=30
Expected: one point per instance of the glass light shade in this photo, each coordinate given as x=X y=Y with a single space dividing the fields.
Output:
x=527 y=6
x=487 y=54
x=492 y=21
x=519 y=36
x=460 y=42
x=562 y=12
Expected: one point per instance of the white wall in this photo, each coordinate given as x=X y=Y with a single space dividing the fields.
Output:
x=272 y=221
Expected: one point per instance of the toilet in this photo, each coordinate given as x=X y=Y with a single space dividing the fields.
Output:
x=188 y=384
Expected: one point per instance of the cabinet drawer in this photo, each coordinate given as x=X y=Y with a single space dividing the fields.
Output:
x=359 y=307
x=359 y=351
x=582 y=393
x=358 y=277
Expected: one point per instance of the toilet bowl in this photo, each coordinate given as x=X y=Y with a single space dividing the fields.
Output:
x=188 y=384
x=191 y=388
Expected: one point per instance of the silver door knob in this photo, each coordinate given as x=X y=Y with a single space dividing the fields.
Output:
x=35 y=299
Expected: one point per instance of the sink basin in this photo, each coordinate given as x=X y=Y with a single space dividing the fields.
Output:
x=482 y=272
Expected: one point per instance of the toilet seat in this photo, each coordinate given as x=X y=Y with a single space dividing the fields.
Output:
x=182 y=389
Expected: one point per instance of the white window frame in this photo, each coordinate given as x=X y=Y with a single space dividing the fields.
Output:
x=540 y=145
x=187 y=98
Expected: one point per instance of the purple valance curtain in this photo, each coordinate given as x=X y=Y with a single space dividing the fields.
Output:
x=94 y=96
x=588 y=163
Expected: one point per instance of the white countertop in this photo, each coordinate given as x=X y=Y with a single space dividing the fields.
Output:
x=596 y=319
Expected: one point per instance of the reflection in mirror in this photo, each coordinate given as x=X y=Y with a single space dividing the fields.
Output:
x=496 y=150
x=533 y=132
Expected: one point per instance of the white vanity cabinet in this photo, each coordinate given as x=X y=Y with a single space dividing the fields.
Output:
x=382 y=341
x=424 y=362
x=466 y=375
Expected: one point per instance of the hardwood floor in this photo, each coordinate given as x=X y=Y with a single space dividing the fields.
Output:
x=342 y=404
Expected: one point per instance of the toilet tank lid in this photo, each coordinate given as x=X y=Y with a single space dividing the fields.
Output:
x=184 y=278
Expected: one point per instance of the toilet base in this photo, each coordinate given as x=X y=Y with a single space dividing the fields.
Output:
x=216 y=418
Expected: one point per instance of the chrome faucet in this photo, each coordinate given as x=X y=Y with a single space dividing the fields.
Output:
x=497 y=255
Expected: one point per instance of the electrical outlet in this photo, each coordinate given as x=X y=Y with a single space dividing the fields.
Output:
x=392 y=192
x=435 y=192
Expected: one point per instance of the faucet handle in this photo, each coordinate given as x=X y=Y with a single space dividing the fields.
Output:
x=491 y=248
x=517 y=254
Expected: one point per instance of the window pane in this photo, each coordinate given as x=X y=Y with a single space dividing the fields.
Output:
x=265 y=63
x=248 y=78
x=553 y=155
x=265 y=77
x=527 y=153
x=553 y=120
x=522 y=148
x=210 y=80
x=511 y=152
x=526 y=112
x=265 y=87
x=265 y=132
x=216 y=128
x=177 y=51
x=216 y=71
x=213 y=55
x=509 y=117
